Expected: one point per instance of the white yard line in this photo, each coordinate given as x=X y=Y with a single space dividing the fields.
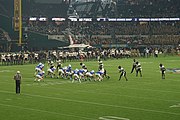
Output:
x=45 y=111
x=80 y=91
x=163 y=91
x=100 y=104
x=105 y=93
x=65 y=82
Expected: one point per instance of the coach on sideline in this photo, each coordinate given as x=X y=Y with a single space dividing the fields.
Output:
x=17 y=78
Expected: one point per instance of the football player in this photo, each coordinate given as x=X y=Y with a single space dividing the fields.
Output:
x=162 y=69
x=123 y=73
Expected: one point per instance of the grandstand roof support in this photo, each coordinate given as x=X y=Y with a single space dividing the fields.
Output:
x=99 y=8
x=20 y=23
x=18 y=19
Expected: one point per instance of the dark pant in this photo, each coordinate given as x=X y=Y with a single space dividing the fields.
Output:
x=18 y=86
x=134 y=66
x=123 y=74
x=138 y=71
x=163 y=74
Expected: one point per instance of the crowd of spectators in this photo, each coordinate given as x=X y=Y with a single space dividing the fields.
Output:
x=125 y=8
x=148 y=8
x=45 y=29
x=131 y=33
x=118 y=32
x=4 y=35
x=135 y=28
x=109 y=28
x=2 y=40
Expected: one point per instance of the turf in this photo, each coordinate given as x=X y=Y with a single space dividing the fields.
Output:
x=146 y=98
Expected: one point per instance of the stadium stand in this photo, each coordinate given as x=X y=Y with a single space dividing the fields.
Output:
x=46 y=9
x=93 y=33
x=125 y=32
x=148 y=8
x=4 y=35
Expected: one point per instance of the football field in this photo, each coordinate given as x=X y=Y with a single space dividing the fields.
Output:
x=140 y=98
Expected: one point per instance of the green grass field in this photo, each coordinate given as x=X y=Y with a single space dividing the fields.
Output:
x=146 y=98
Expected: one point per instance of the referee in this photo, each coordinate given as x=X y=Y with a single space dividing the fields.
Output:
x=17 y=78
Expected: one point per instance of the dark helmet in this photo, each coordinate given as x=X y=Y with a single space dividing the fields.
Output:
x=119 y=67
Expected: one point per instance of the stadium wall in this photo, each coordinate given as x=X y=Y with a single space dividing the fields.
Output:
x=41 y=42
x=6 y=24
x=35 y=41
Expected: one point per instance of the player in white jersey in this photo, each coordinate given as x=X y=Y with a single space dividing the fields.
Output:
x=138 y=69
x=123 y=73
x=68 y=72
x=39 y=68
x=58 y=64
x=51 y=72
x=39 y=76
x=90 y=75
x=162 y=69
x=99 y=74
x=62 y=72
x=81 y=74
x=100 y=64
x=83 y=65
x=75 y=76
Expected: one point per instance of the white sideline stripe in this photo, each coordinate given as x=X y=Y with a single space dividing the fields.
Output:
x=140 y=89
x=46 y=83
x=45 y=111
x=41 y=83
x=151 y=90
x=108 y=86
x=80 y=91
x=6 y=71
x=125 y=88
x=146 y=89
x=100 y=104
x=128 y=96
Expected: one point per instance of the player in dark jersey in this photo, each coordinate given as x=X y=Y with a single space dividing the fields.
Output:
x=162 y=69
x=138 y=69
x=123 y=73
